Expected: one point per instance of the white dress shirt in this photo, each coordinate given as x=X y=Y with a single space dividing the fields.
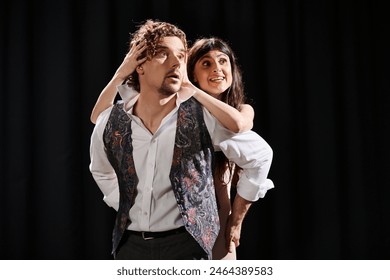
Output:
x=155 y=207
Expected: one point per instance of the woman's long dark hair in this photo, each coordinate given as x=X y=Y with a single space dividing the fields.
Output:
x=234 y=95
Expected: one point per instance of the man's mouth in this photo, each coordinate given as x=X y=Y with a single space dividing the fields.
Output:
x=173 y=76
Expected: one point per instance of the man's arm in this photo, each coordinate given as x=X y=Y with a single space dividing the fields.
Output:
x=254 y=155
x=101 y=169
x=233 y=228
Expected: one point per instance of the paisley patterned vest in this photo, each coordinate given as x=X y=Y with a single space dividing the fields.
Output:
x=191 y=173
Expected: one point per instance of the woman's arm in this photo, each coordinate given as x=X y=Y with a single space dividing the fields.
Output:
x=231 y=118
x=128 y=66
x=235 y=120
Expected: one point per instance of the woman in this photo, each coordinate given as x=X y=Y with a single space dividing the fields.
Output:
x=213 y=68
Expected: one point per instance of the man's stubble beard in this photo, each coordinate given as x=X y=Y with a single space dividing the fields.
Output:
x=167 y=89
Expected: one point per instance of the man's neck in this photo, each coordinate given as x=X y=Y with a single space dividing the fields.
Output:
x=152 y=108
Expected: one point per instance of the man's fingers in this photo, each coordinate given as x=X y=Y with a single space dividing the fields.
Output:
x=232 y=245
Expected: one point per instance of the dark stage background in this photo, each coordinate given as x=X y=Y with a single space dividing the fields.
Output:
x=317 y=73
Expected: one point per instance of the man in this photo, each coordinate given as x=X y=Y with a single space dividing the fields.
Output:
x=152 y=157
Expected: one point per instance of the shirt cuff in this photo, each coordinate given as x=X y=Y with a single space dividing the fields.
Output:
x=252 y=191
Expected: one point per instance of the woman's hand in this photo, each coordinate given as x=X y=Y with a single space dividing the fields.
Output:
x=131 y=61
x=187 y=89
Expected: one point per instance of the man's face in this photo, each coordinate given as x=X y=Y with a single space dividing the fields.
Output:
x=166 y=69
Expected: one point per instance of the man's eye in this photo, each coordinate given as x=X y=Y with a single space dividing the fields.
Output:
x=162 y=53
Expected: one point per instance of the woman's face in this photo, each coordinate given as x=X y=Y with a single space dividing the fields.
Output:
x=213 y=73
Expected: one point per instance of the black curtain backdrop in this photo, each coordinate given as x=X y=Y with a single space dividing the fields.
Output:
x=316 y=72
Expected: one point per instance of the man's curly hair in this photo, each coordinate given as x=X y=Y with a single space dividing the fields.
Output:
x=152 y=32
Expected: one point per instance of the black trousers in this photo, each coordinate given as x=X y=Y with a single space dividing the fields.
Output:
x=179 y=246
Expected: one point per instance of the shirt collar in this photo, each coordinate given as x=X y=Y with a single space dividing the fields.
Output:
x=130 y=96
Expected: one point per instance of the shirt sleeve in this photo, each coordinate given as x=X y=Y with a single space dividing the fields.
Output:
x=100 y=167
x=249 y=151
x=253 y=154
x=126 y=93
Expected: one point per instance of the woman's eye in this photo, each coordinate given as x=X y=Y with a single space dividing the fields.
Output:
x=222 y=61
